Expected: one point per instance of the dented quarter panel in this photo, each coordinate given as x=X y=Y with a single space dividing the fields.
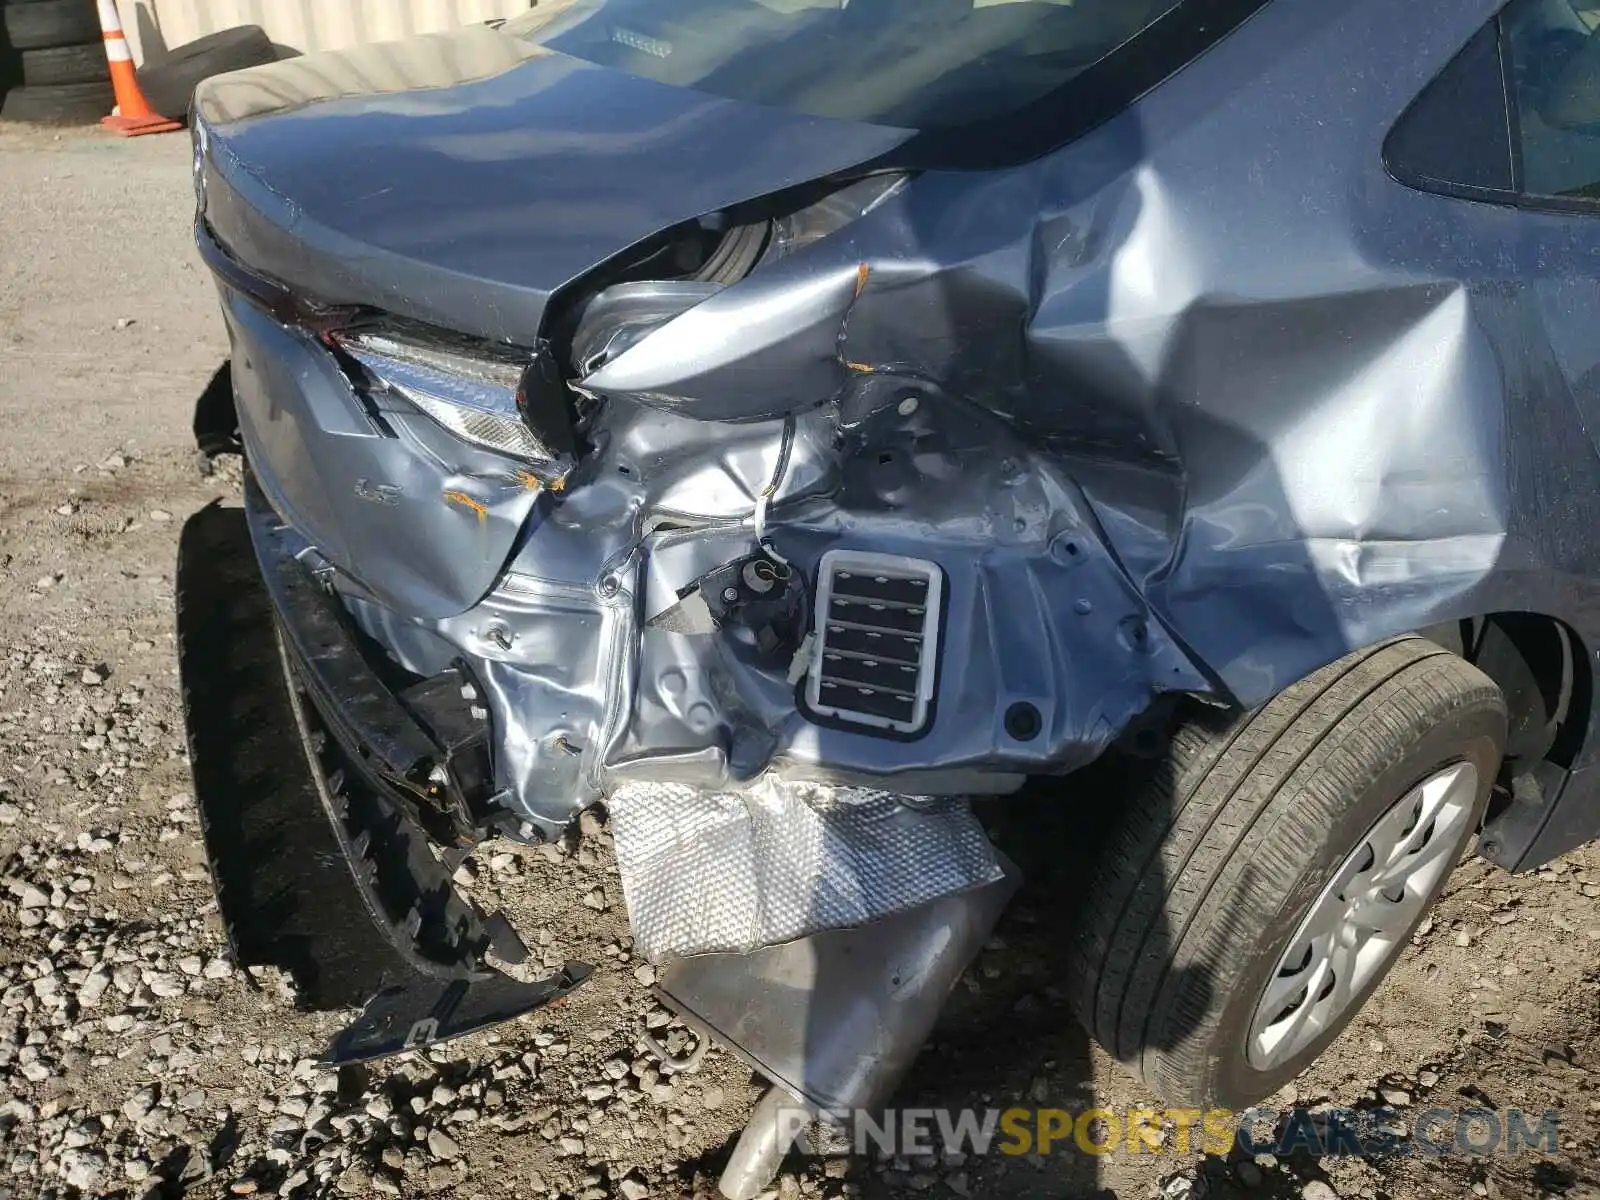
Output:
x=1310 y=406
x=1282 y=406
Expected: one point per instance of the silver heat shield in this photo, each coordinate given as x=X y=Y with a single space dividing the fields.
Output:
x=706 y=871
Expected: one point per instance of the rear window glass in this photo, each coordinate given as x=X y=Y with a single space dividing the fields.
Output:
x=1554 y=51
x=1515 y=117
x=916 y=64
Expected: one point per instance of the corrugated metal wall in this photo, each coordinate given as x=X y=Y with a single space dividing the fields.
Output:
x=154 y=25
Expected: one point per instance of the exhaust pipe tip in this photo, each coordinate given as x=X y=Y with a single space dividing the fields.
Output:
x=775 y=1123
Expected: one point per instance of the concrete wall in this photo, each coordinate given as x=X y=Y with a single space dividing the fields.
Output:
x=155 y=25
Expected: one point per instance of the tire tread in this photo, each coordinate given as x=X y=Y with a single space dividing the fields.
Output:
x=41 y=24
x=1217 y=837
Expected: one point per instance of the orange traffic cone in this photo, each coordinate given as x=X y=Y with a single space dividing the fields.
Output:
x=133 y=114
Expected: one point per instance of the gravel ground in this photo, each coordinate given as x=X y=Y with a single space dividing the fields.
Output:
x=139 y=1063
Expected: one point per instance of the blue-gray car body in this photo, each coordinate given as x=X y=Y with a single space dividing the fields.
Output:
x=1184 y=382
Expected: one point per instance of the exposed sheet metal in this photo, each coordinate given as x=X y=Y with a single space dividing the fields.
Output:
x=837 y=1018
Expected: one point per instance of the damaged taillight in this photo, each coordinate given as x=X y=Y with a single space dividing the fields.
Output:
x=500 y=402
x=793 y=232
x=622 y=314
x=625 y=313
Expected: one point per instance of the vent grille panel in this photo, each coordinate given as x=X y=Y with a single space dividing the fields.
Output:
x=877 y=640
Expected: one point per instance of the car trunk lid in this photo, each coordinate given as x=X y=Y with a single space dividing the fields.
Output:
x=460 y=179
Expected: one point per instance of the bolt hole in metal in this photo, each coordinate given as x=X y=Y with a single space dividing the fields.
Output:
x=1066 y=550
x=1363 y=917
x=1023 y=722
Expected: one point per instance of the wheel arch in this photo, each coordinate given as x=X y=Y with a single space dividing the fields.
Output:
x=1546 y=801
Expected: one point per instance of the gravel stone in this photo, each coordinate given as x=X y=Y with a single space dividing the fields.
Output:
x=83 y=1169
x=442 y=1145
x=139 y=1105
x=93 y=988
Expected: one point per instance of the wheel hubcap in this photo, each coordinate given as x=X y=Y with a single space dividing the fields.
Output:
x=1359 y=922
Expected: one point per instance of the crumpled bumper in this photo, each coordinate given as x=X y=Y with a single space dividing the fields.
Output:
x=318 y=864
x=853 y=913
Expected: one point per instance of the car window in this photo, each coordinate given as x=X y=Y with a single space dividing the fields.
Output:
x=981 y=84
x=1515 y=117
x=916 y=64
x=1456 y=136
x=1555 y=71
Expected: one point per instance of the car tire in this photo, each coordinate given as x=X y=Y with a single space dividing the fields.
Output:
x=1264 y=834
x=168 y=85
x=40 y=24
x=64 y=64
x=61 y=104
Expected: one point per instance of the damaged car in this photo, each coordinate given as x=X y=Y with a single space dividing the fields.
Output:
x=793 y=424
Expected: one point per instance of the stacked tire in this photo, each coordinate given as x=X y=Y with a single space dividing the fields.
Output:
x=168 y=85
x=58 y=60
x=10 y=68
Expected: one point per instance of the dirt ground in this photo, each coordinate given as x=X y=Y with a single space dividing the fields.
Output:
x=138 y=1062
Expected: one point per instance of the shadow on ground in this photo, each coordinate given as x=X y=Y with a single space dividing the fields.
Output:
x=1008 y=1037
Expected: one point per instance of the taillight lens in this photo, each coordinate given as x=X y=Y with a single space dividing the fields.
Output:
x=483 y=400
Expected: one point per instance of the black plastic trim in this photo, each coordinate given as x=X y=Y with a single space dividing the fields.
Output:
x=894 y=735
x=315 y=873
x=1434 y=119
